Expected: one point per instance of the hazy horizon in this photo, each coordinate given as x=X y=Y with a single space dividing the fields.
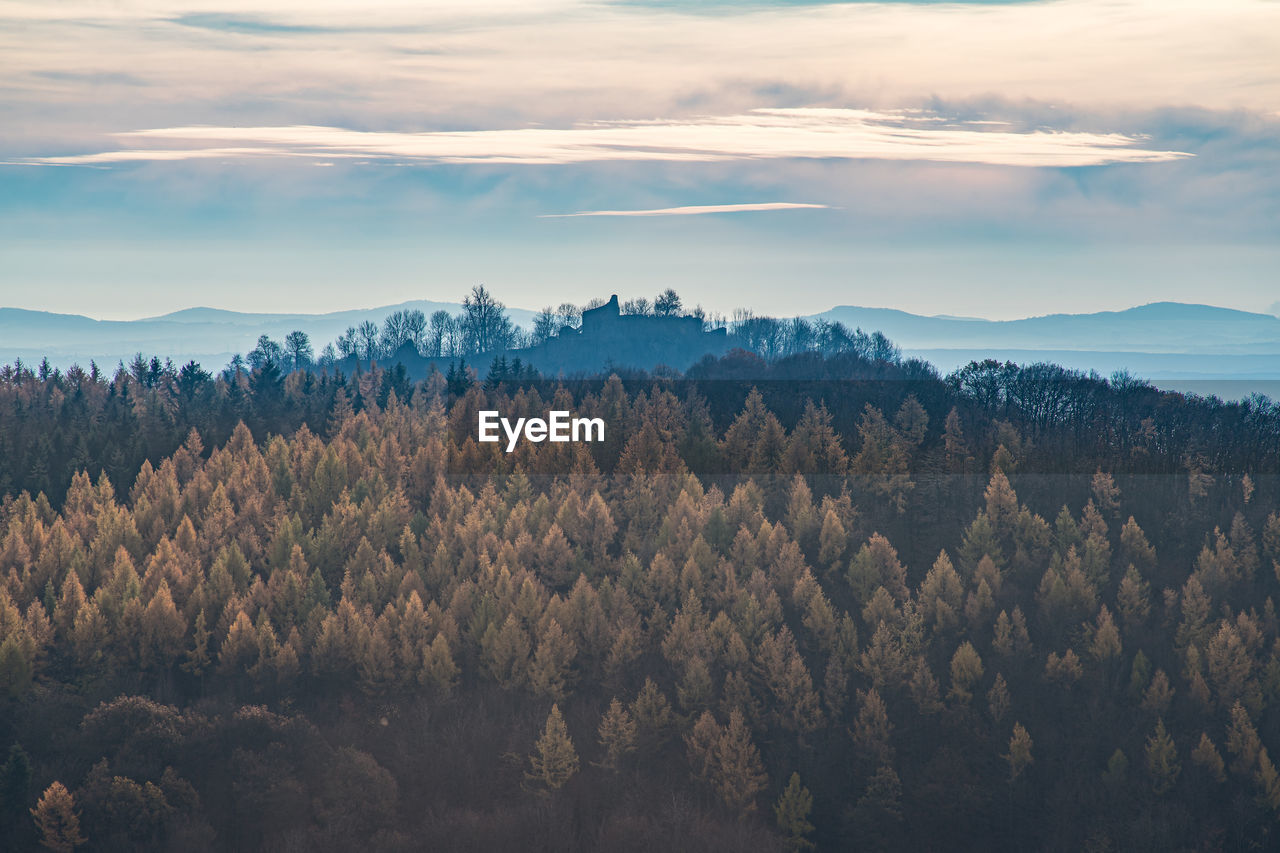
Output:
x=726 y=311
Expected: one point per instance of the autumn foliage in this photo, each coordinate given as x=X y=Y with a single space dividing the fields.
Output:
x=370 y=626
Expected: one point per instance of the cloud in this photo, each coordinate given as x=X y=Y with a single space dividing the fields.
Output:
x=692 y=210
x=247 y=24
x=762 y=134
x=737 y=6
x=575 y=59
x=92 y=79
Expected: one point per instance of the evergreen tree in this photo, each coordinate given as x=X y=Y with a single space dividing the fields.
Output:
x=652 y=712
x=792 y=814
x=551 y=671
x=873 y=730
x=1162 y=760
x=15 y=784
x=966 y=671
x=1206 y=756
x=1019 y=755
x=554 y=761
x=737 y=773
x=877 y=814
x=617 y=734
x=56 y=818
x=438 y=667
x=1268 y=782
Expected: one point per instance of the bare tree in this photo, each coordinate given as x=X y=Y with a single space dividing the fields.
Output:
x=667 y=304
x=437 y=333
x=297 y=347
x=403 y=327
x=638 y=306
x=485 y=325
x=367 y=335
x=267 y=352
x=569 y=314
x=544 y=326
x=348 y=342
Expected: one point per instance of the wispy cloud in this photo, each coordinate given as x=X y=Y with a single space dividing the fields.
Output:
x=693 y=210
x=247 y=24
x=764 y=134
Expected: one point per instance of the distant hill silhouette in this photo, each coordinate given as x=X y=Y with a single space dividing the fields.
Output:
x=607 y=338
x=1166 y=342
x=210 y=336
x=1161 y=327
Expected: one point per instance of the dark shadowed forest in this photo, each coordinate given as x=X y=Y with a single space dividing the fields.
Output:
x=823 y=599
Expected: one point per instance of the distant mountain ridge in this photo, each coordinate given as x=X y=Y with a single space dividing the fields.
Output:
x=352 y=315
x=210 y=336
x=1159 y=341
x=1159 y=327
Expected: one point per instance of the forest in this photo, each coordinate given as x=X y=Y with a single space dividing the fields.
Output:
x=812 y=599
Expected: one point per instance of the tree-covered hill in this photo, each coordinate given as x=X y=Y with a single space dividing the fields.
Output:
x=831 y=601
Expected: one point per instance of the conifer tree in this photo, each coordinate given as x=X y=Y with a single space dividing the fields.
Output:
x=1002 y=635
x=1243 y=741
x=700 y=746
x=879 y=810
x=438 y=667
x=694 y=691
x=872 y=731
x=1116 y=774
x=1106 y=637
x=1229 y=663
x=15 y=781
x=737 y=773
x=1134 y=599
x=876 y=564
x=1135 y=549
x=1106 y=494
x=1162 y=760
x=953 y=443
x=1019 y=755
x=884 y=660
x=240 y=648
x=1064 y=670
x=1196 y=605
x=16 y=665
x=924 y=688
x=792 y=813
x=832 y=539
x=162 y=630
x=966 y=671
x=1002 y=503
x=617 y=734
x=56 y=818
x=506 y=652
x=998 y=698
x=551 y=670
x=1268 y=782
x=1158 y=695
x=941 y=595
x=652 y=712
x=197 y=657
x=554 y=760
x=883 y=459
x=1206 y=756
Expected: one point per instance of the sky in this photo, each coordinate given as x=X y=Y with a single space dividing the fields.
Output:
x=991 y=159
